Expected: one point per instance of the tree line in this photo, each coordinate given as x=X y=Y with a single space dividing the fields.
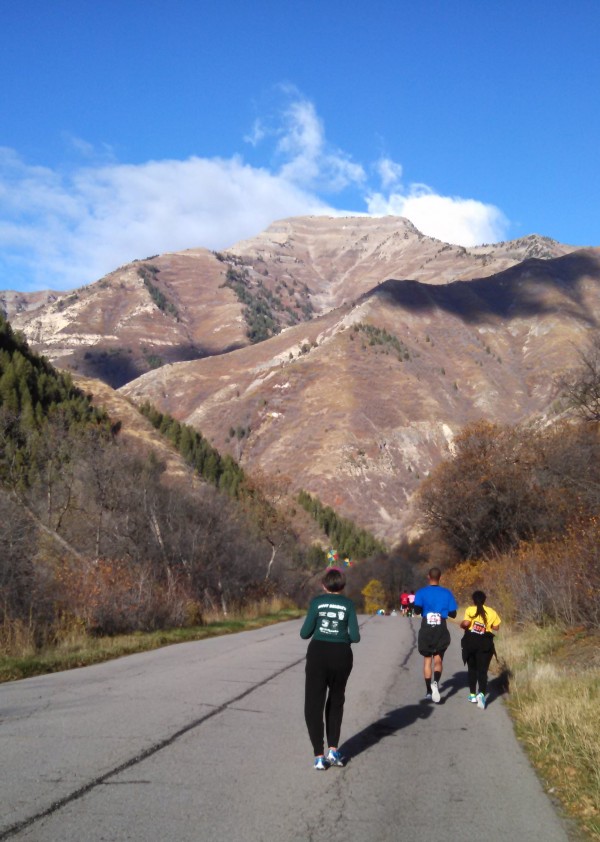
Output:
x=345 y=536
x=221 y=471
x=95 y=532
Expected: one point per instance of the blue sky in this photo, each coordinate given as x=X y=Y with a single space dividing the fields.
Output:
x=132 y=128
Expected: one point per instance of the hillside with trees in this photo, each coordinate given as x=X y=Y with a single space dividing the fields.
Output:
x=96 y=533
x=516 y=509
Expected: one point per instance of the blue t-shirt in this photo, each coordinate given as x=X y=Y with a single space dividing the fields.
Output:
x=434 y=599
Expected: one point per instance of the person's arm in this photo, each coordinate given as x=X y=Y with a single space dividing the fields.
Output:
x=418 y=609
x=452 y=614
x=353 y=629
x=310 y=622
x=465 y=624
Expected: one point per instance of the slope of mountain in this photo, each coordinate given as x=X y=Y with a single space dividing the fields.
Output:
x=379 y=344
x=166 y=308
x=194 y=304
x=358 y=404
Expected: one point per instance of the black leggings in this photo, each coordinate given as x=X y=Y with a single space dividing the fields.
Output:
x=478 y=663
x=328 y=666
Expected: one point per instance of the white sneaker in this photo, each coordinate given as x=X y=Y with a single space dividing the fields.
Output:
x=334 y=758
x=435 y=692
x=481 y=701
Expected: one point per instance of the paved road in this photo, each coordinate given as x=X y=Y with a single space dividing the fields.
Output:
x=206 y=741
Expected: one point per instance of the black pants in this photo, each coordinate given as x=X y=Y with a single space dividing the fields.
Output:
x=478 y=663
x=328 y=666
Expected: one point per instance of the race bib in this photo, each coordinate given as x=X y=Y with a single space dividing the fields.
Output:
x=434 y=619
x=478 y=628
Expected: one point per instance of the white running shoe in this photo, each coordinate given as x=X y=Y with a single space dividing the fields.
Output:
x=481 y=701
x=320 y=763
x=334 y=758
x=435 y=692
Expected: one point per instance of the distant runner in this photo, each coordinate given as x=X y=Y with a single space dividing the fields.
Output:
x=478 y=645
x=411 y=603
x=435 y=604
x=332 y=623
x=404 y=602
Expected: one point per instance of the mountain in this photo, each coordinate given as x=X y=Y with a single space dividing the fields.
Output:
x=360 y=403
x=340 y=258
x=194 y=304
x=162 y=309
x=339 y=356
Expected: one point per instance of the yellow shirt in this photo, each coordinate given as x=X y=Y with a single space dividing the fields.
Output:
x=476 y=623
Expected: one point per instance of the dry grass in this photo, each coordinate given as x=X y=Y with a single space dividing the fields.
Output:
x=555 y=702
x=72 y=647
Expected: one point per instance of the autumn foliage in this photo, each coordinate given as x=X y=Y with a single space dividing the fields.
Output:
x=111 y=597
x=375 y=597
x=519 y=510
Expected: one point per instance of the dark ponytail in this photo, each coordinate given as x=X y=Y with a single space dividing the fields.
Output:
x=479 y=600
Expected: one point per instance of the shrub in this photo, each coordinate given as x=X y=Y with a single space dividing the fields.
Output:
x=374 y=594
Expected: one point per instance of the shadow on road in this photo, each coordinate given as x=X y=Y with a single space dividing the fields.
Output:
x=497 y=686
x=451 y=686
x=388 y=725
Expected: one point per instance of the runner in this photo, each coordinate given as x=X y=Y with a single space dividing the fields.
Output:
x=435 y=604
x=404 y=603
x=478 y=645
x=332 y=623
x=411 y=602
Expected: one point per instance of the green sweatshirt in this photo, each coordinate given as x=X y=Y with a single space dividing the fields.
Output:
x=331 y=617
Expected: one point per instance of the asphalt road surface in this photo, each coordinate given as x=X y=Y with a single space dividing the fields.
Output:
x=206 y=741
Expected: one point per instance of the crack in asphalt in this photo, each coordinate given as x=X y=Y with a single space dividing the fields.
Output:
x=17 y=827
x=138 y=758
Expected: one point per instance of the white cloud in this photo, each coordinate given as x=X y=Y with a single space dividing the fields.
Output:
x=85 y=150
x=310 y=159
x=61 y=228
x=389 y=171
x=465 y=222
x=256 y=134
x=66 y=231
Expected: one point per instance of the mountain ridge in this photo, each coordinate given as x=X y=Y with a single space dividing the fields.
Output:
x=194 y=303
x=318 y=403
x=378 y=345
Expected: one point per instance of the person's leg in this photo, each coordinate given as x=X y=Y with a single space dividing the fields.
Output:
x=315 y=690
x=427 y=667
x=437 y=659
x=472 y=672
x=339 y=672
x=426 y=647
x=483 y=664
x=427 y=672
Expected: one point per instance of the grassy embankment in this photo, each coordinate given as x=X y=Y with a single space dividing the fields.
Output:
x=555 y=703
x=75 y=648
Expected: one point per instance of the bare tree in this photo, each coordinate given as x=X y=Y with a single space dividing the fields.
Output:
x=581 y=386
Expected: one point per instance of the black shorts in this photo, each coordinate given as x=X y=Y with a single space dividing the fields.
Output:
x=433 y=640
x=472 y=643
